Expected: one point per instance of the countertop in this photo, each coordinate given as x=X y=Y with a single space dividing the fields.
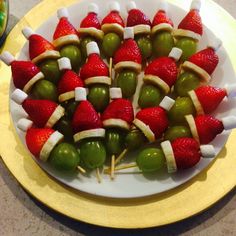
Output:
x=20 y=214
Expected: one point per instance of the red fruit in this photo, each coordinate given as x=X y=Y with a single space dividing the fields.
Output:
x=207 y=59
x=155 y=118
x=38 y=45
x=23 y=72
x=208 y=128
x=137 y=17
x=85 y=118
x=91 y=20
x=36 y=138
x=39 y=111
x=69 y=81
x=119 y=109
x=64 y=28
x=186 y=152
x=94 y=66
x=165 y=68
x=192 y=21
x=128 y=51
x=160 y=18
x=210 y=97
x=112 y=18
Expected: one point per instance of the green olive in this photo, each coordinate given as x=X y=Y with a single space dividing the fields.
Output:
x=111 y=42
x=135 y=139
x=145 y=46
x=175 y=132
x=64 y=127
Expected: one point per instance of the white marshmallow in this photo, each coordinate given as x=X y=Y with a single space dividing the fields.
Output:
x=93 y=8
x=176 y=53
x=207 y=151
x=167 y=103
x=214 y=43
x=27 y=32
x=128 y=33
x=19 y=96
x=24 y=124
x=131 y=5
x=115 y=93
x=80 y=94
x=230 y=90
x=7 y=58
x=64 y=63
x=62 y=12
x=114 y=6
x=229 y=122
x=163 y=5
x=196 y=5
x=92 y=47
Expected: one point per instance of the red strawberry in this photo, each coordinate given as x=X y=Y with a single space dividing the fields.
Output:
x=208 y=128
x=161 y=18
x=85 y=118
x=69 y=81
x=206 y=59
x=36 y=138
x=119 y=109
x=193 y=22
x=165 y=68
x=113 y=18
x=128 y=51
x=91 y=20
x=94 y=66
x=137 y=17
x=155 y=118
x=210 y=97
x=186 y=152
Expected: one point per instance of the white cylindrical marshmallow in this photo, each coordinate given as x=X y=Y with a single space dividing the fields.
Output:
x=128 y=33
x=80 y=94
x=196 y=5
x=115 y=93
x=92 y=47
x=19 y=96
x=114 y=6
x=93 y=8
x=229 y=122
x=167 y=103
x=24 y=124
x=207 y=151
x=64 y=63
x=131 y=5
x=7 y=58
x=62 y=12
x=27 y=32
x=176 y=53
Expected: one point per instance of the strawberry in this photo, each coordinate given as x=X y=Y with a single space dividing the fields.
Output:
x=192 y=22
x=161 y=18
x=208 y=128
x=206 y=59
x=119 y=109
x=137 y=17
x=85 y=118
x=113 y=18
x=210 y=97
x=155 y=118
x=128 y=51
x=69 y=81
x=36 y=138
x=94 y=66
x=91 y=20
x=186 y=152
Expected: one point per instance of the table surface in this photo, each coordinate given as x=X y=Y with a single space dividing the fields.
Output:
x=22 y=215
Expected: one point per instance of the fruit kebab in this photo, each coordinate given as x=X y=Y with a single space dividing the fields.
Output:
x=90 y=28
x=95 y=74
x=43 y=54
x=128 y=64
x=159 y=76
x=162 y=29
x=189 y=31
x=88 y=133
x=117 y=119
x=66 y=40
x=47 y=144
x=142 y=29
x=197 y=70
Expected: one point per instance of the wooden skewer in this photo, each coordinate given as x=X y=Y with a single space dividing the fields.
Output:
x=121 y=156
x=112 y=174
x=82 y=170
x=99 y=179
x=110 y=67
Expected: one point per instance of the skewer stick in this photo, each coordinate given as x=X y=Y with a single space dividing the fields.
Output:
x=121 y=156
x=112 y=167
x=123 y=167
x=99 y=179
x=82 y=170
x=110 y=67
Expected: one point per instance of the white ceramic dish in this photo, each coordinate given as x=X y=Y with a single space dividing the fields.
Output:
x=127 y=185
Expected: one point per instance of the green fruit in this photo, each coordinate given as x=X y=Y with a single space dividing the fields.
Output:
x=99 y=96
x=84 y=41
x=74 y=54
x=64 y=127
x=50 y=70
x=163 y=42
x=70 y=107
x=134 y=139
x=111 y=42
x=183 y=106
x=151 y=160
x=188 y=46
x=2 y=19
x=127 y=81
x=187 y=81
x=92 y=153
x=145 y=46
x=150 y=96
x=64 y=157
x=175 y=132
x=2 y=6
x=114 y=141
x=44 y=89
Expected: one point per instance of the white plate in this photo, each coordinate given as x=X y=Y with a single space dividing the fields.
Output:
x=134 y=185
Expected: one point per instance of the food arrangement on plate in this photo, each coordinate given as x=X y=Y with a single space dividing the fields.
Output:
x=86 y=109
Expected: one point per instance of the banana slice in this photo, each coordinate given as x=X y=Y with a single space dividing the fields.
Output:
x=92 y=31
x=92 y=133
x=196 y=102
x=31 y=82
x=162 y=27
x=128 y=65
x=64 y=40
x=186 y=33
x=66 y=96
x=56 y=116
x=46 y=55
x=116 y=123
x=192 y=126
x=113 y=28
x=142 y=29
x=98 y=80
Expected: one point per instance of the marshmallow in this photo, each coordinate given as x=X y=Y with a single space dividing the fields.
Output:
x=64 y=63
x=19 y=96
x=167 y=103
x=62 y=12
x=176 y=53
x=131 y=5
x=24 y=124
x=114 y=6
x=207 y=151
x=92 y=47
x=229 y=122
x=93 y=8
x=27 y=32
x=196 y=5
x=163 y=6
x=7 y=58
x=215 y=43
x=128 y=33
x=115 y=93
x=80 y=94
